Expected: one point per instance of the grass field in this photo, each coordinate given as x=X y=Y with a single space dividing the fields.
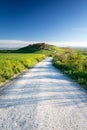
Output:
x=13 y=64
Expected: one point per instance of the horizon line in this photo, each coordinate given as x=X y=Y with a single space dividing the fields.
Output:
x=22 y=43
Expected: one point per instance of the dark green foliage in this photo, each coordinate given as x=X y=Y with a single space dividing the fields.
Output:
x=39 y=48
x=33 y=48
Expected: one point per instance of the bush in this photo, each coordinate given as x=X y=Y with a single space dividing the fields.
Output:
x=74 y=64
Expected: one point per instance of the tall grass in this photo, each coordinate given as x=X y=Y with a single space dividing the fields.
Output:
x=13 y=64
x=73 y=63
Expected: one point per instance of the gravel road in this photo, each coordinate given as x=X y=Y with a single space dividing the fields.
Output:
x=43 y=99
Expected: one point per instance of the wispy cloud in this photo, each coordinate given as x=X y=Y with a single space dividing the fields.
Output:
x=20 y=43
x=14 y=43
x=69 y=44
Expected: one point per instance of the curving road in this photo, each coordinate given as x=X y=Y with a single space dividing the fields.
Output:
x=43 y=99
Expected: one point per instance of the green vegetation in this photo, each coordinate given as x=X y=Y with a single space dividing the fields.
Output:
x=73 y=63
x=84 y=52
x=13 y=64
x=38 y=48
x=33 y=48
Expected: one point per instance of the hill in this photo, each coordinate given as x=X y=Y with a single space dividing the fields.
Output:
x=38 y=48
x=33 y=48
x=43 y=48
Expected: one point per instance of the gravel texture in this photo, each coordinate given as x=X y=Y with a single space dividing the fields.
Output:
x=43 y=99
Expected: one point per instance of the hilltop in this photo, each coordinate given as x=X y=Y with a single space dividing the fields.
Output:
x=36 y=48
x=39 y=48
x=33 y=48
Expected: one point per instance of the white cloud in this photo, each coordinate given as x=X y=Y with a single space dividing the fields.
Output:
x=14 y=43
x=69 y=44
x=19 y=43
x=77 y=44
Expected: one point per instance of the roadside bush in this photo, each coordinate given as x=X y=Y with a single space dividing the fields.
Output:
x=74 y=64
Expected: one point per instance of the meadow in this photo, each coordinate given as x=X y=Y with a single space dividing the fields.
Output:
x=12 y=64
x=73 y=63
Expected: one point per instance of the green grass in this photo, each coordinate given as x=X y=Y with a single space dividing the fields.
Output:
x=74 y=64
x=13 y=64
x=51 y=51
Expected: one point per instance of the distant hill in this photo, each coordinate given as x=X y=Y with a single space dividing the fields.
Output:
x=33 y=48
x=43 y=48
x=37 y=48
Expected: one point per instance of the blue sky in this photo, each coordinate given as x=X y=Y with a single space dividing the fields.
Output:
x=55 y=21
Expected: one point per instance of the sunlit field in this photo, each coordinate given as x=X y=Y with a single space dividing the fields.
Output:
x=13 y=64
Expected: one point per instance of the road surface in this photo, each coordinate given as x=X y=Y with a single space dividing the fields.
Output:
x=43 y=99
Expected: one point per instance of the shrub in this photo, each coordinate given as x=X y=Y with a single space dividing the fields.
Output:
x=74 y=64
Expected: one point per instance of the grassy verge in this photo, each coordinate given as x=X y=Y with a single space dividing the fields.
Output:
x=13 y=64
x=74 y=64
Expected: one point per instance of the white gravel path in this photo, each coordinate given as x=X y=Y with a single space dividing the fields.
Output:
x=43 y=99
